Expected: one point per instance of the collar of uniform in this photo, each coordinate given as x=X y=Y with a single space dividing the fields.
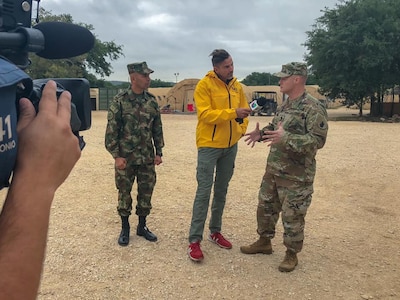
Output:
x=135 y=96
x=301 y=97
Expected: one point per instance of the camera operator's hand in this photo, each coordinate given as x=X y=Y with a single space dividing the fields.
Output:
x=47 y=152
x=47 y=146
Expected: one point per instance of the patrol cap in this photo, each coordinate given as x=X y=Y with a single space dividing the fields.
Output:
x=293 y=68
x=140 y=67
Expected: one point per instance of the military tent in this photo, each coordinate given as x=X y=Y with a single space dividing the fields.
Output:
x=179 y=98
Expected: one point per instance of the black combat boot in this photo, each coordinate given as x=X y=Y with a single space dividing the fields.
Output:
x=123 y=239
x=143 y=231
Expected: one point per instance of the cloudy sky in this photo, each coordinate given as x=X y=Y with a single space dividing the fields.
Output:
x=177 y=36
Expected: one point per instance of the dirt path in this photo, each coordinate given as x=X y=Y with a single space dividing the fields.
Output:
x=351 y=250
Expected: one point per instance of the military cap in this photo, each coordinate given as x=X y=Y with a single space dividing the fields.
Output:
x=293 y=68
x=140 y=67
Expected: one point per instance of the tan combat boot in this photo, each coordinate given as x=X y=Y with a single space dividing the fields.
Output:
x=263 y=245
x=289 y=262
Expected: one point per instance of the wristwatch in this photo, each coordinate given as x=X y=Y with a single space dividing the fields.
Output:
x=159 y=154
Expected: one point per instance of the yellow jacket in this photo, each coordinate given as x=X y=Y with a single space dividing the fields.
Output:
x=216 y=104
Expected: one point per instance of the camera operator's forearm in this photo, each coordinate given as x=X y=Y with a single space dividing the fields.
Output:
x=23 y=234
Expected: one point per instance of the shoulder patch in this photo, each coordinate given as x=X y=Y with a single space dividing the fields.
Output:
x=120 y=95
x=123 y=93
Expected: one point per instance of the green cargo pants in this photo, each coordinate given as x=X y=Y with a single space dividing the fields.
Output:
x=210 y=161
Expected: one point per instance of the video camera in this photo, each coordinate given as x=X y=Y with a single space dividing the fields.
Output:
x=50 y=40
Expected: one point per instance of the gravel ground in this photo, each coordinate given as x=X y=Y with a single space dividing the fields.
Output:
x=350 y=251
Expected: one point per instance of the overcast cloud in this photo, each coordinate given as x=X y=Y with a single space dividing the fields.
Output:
x=177 y=36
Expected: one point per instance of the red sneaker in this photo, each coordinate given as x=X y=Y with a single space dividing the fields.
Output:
x=219 y=239
x=194 y=252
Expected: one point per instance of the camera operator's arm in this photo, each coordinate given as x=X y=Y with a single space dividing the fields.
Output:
x=47 y=152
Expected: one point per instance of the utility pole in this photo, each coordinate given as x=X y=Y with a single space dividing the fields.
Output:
x=176 y=77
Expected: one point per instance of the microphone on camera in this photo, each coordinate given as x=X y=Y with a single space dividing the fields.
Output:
x=51 y=40
x=64 y=40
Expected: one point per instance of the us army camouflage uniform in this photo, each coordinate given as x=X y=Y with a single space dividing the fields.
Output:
x=134 y=132
x=287 y=184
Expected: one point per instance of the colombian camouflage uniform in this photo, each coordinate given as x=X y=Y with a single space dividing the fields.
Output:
x=287 y=185
x=134 y=131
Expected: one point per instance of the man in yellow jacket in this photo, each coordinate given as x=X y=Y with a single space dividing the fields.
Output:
x=222 y=112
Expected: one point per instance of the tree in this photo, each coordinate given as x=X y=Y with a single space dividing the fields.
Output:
x=96 y=60
x=353 y=50
x=155 y=83
x=257 y=78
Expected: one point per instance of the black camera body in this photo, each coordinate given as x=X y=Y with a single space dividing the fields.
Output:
x=17 y=39
x=16 y=13
x=80 y=101
x=15 y=30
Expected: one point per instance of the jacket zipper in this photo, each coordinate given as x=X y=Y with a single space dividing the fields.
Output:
x=230 y=122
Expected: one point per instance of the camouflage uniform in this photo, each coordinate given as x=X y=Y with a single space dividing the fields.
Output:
x=287 y=184
x=134 y=131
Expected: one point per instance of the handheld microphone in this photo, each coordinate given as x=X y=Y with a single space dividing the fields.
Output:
x=257 y=104
x=64 y=40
